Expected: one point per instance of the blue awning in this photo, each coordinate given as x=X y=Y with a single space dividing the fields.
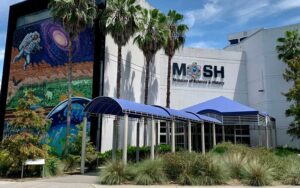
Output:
x=222 y=105
x=206 y=118
x=180 y=115
x=114 y=106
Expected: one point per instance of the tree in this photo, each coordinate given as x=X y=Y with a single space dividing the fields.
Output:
x=119 y=18
x=29 y=129
x=75 y=16
x=176 y=39
x=152 y=37
x=289 y=52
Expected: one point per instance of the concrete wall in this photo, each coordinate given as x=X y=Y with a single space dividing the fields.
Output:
x=186 y=94
x=264 y=72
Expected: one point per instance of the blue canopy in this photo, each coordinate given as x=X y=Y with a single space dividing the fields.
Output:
x=113 y=106
x=222 y=105
x=181 y=115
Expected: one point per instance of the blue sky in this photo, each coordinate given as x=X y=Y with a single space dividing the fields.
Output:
x=210 y=21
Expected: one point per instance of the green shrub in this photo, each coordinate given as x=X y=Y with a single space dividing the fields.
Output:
x=228 y=147
x=235 y=162
x=71 y=162
x=5 y=162
x=53 y=167
x=176 y=163
x=114 y=174
x=285 y=151
x=209 y=171
x=150 y=172
x=258 y=174
x=292 y=174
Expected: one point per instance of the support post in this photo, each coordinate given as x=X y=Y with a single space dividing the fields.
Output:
x=137 y=155
x=190 y=136
x=214 y=135
x=83 y=144
x=115 y=139
x=125 y=139
x=267 y=137
x=168 y=132
x=203 y=138
x=152 y=139
x=259 y=136
x=223 y=133
x=158 y=132
x=173 y=136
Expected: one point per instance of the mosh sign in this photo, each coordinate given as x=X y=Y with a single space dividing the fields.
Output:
x=193 y=72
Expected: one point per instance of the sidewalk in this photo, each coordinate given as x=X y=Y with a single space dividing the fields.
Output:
x=84 y=181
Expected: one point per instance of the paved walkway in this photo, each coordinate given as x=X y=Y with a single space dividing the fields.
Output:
x=79 y=181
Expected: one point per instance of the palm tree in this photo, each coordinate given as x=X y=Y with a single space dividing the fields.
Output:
x=119 y=18
x=175 y=40
x=75 y=16
x=152 y=37
x=289 y=46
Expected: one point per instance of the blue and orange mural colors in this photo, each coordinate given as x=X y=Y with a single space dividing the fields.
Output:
x=38 y=62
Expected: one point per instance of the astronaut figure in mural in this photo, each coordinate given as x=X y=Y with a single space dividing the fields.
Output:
x=29 y=45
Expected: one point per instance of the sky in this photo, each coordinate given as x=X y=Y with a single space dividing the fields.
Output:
x=209 y=21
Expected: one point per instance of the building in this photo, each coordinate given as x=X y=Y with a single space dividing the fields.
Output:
x=245 y=71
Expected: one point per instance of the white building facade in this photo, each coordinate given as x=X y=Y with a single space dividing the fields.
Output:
x=247 y=71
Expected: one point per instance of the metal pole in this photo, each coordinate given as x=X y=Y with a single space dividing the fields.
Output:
x=125 y=139
x=223 y=133
x=173 y=136
x=83 y=142
x=259 y=136
x=190 y=136
x=203 y=137
x=267 y=137
x=152 y=139
x=214 y=135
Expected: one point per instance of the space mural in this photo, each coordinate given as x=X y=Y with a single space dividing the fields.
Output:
x=38 y=62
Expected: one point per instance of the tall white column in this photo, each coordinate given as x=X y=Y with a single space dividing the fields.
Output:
x=83 y=144
x=190 y=136
x=158 y=132
x=203 y=137
x=214 y=135
x=125 y=139
x=152 y=139
x=173 y=136
x=168 y=132
x=267 y=137
x=259 y=136
x=223 y=133
x=137 y=155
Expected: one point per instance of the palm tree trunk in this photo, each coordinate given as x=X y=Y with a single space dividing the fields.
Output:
x=118 y=94
x=168 y=82
x=69 y=68
x=148 y=61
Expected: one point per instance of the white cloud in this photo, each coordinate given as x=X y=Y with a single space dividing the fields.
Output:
x=204 y=15
x=237 y=11
x=203 y=44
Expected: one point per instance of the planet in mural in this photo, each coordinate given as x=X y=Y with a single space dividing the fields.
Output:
x=57 y=131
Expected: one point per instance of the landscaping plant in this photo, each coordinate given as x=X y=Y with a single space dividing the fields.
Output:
x=114 y=173
x=150 y=172
x=30 y=127
x=258 y=174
